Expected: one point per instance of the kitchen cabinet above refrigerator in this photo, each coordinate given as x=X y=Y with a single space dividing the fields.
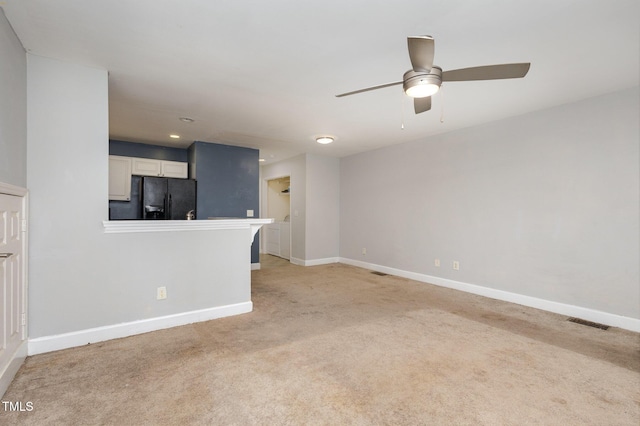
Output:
x=161 y=168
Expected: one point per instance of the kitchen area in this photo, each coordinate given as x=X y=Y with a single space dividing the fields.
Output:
x=206 y=181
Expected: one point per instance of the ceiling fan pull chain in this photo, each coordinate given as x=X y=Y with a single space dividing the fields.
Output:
x=402 y=111
x=441 y=105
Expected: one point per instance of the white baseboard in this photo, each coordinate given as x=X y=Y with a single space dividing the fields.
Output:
x=99 y=334
x=606 y=318
x=10 y=371
x=296 y=261
x=314 y=262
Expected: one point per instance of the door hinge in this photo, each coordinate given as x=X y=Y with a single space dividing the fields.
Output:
x=24 y=318
x=24 y=225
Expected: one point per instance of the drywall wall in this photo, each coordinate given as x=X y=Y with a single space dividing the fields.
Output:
x=323 y=209
x=228 y=180
x=13 y=107
x=543 y=205
x=132 y=149
x=79 y=277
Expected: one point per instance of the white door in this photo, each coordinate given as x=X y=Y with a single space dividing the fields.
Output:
x=12 y=288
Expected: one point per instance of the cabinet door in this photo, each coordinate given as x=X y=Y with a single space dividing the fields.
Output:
x=174 y=169
x=146 y=167
x=273 y=239
x=285 y=240
x=119 y=178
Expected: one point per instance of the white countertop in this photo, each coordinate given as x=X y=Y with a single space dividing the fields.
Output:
x=214 y=223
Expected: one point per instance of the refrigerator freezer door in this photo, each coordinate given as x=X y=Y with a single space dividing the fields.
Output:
x=181 y=198
x=154 y=191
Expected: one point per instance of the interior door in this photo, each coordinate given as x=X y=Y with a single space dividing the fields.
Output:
x=12 y=288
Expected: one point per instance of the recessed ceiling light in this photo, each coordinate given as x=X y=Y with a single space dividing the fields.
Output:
x=324 y=139
x=174 y=136
x=186 y=119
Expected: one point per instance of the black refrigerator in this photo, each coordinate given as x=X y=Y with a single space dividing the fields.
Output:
x=167 y=198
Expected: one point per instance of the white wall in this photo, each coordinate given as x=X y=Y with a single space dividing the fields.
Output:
x=323 y=209
x=80 y=277
x=544 y=205
x=13 y=107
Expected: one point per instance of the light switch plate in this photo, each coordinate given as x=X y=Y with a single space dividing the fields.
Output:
x=249 y=213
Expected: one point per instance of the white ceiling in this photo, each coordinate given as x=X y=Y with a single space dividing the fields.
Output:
x=263 y=74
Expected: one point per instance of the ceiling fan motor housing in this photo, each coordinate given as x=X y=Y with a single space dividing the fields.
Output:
x=420 y=84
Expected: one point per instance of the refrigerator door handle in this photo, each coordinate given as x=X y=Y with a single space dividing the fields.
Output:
x=165 y=206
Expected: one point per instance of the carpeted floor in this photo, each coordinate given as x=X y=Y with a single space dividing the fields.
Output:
x=337 y=345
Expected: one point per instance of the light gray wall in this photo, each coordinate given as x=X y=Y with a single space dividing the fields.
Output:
x=544 y=205
x=323 y=207
x=80 y=277
x=295 y=168
x=315 y=196
x=13 y=107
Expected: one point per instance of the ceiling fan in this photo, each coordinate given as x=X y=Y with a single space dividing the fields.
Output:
x=424 y=79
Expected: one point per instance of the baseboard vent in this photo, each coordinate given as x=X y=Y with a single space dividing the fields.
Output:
x=588 y=323
x=382 y=274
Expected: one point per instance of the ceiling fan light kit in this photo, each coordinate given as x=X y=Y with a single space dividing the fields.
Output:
x=422 y=84
x=425 y=79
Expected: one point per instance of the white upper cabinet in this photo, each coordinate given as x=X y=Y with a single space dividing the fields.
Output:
x=174 y=169
x=145 y=167
x=119 y=178
x=149 y=167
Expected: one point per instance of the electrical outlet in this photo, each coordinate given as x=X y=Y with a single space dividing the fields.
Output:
x=456 y=265
x=161 y=293
x=249 y=213
x=437 y=262
x=364 y=251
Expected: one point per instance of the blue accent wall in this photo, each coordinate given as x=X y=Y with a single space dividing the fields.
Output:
x=141 y=150
x=228 y=182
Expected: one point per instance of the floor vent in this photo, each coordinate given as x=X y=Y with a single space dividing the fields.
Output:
x=382 y=274
x=589 y=323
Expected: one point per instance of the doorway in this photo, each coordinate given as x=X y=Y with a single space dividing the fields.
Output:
x=13 y=287
x=278 y=234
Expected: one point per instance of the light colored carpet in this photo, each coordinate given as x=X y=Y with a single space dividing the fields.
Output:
x=337 y=345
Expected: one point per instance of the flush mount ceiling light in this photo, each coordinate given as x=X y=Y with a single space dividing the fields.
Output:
x=324 y=139
x=186 y=119
x=261 y=160
x=174 y=136
x=420 y=84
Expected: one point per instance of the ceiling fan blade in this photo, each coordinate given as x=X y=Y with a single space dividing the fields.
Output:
x=369 y=88
x=421 y=52
x=422 y=104
x=488 y=72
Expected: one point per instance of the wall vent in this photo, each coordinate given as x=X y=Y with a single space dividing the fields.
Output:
x=588 y=323
x=382 y=274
